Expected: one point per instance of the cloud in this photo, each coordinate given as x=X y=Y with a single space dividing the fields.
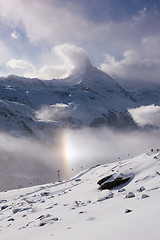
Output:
x=70 y=56
x=146 y=115
x=150 y=45
x=88 y=146
x=132 y=68
x=20 y=64
x=15 y=35
x=129 y=37
x=5 y=53
x=28 y=161
x=47 y=18
x=54 y=112
x=75 y=26
x=50 y=72
x=140 y=16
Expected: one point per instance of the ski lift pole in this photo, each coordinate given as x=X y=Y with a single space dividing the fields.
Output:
x=58 y=175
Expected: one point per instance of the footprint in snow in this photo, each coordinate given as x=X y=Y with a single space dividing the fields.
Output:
x=48 y=221
x=90 y=219
x=68 y=228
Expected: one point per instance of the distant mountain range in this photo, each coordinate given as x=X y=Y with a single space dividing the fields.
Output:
x=92 y=98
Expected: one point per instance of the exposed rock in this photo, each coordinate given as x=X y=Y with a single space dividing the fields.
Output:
x=45 y=194
x=55 y=219
x=144 y=196
x=104 y=179
x=130 y=195
x=112 y=181
x=4 y=207
x=3 y=201
x=44 y=216
x=11 y=219
x=77 y=180
x=141 y=189
x=105 y=195
x=121 y=190
x=42 y=224
x=128 y=210
x=81 y=212
x=16 y=210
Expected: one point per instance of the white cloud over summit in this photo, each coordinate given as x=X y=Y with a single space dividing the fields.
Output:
x=70 y=56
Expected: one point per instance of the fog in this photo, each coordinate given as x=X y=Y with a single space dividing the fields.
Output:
x=97 y=146
x=28 y=161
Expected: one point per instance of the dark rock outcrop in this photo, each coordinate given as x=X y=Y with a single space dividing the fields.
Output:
x=111 y=181
x=100 y=182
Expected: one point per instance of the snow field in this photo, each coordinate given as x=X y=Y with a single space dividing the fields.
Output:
x=77 y=209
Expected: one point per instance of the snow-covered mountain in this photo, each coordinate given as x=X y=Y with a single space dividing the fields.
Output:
x=91 y=98
x=78 y=209
x=147 y=96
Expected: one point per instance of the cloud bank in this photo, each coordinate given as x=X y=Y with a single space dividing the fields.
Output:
x=146 y=115
x=28 y=161
x=133 y=69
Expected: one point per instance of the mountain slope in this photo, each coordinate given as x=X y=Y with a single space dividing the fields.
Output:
x=91 y=98
x=147 y=96
x=76 y=209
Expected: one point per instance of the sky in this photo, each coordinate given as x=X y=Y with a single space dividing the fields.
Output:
x=49 y=38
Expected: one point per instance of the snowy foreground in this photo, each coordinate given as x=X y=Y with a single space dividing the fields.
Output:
x=76 y=209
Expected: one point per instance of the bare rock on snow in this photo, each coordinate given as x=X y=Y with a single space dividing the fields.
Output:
x=112 y=181
x=16 y=210
x=100 y=182
x=10 y=219
x=144 y=196
x=4 y=207
x=121 y=190
x=128 y=210
x=105 y=195
x=141 y=189
x=130 y=195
